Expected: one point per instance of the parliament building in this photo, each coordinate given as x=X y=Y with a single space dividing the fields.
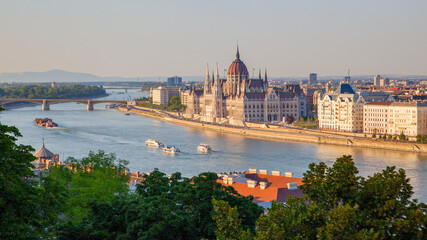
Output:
x=239 y=99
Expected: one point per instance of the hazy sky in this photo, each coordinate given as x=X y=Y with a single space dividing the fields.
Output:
x=160 y=38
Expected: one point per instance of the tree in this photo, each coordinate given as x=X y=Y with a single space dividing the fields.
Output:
x=227 y=221
x=289 y=119
x=164 y=207
x=338 y=204
x=295 y=220
x=329 y=186
x=374 y=135
x=175 y=104
x=44 y=91
x=402 y=136
x=418 y=137
x=28 y=209
x=99 y=176
x=383 y=201
x=342 y=223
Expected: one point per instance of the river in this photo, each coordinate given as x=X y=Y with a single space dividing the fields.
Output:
x=81 y=131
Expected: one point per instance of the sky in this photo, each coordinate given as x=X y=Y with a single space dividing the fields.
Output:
x=130 y=38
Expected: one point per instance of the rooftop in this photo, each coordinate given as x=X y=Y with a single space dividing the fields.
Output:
x=263 y=187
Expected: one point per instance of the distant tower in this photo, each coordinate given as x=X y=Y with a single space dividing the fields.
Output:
x=313 y=78
x=377 y=80
x=53 y=84
x=384 y=82
x=347 y=78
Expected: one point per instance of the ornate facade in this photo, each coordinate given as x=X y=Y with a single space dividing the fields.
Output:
x=238 y=99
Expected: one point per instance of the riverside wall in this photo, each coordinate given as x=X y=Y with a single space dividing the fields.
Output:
x=283 y=134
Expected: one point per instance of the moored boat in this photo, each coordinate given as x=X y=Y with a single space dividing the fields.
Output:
x=204 y=148
x=153 y=143
x=170 y=149
x=45 y=122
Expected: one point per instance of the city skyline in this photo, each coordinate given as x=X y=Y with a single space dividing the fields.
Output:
x=142 y=38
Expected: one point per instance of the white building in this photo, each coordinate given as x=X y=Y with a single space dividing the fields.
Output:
x=340 y=110
x=379 y=81
x=386 y=117
x=343 y=109
x=162 y=95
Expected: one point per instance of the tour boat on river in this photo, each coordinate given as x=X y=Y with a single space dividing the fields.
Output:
x=45 y=122
x=204 y=148
x=170 y=149
x=153 y=143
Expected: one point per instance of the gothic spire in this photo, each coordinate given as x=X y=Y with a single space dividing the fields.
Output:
x=265 y=80
x=213 y=77
x=216 y=73
x=238 y=54
x=259 y=73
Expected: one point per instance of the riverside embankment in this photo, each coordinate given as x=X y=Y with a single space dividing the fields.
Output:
x=282 y=134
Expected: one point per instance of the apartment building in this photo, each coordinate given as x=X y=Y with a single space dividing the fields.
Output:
x=409 y=118
x=162 y=95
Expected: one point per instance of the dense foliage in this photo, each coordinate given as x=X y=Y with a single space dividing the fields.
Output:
x=99 y=176
x=28 y=210
x=163 y=208
x=174 y=104
x=47 y=92
x=338 y=204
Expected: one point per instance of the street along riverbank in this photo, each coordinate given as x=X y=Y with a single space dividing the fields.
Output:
x=281 y=134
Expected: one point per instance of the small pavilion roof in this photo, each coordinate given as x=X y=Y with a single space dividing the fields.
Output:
x=43 y=152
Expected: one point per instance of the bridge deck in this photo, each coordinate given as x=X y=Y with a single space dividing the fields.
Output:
x=53 y=101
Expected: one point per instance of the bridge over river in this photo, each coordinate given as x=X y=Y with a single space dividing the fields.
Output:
x=47 y=102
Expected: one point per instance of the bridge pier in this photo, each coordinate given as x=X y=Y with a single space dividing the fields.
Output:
x=45 y=105
x=89 y=105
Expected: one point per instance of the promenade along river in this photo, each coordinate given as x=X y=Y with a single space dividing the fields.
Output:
x=81 y=131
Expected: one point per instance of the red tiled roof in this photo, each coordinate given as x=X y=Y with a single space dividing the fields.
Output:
x=276 y=189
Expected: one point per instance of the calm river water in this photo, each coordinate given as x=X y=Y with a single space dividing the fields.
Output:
x=81 y=131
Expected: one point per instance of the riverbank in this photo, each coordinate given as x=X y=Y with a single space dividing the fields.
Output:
x=282 y=134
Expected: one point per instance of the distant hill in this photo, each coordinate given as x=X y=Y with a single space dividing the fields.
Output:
x=65 y=76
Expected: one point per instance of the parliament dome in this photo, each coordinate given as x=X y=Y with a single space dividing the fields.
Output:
x=238 y=67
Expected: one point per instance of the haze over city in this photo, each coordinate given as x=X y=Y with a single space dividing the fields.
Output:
x=161 y=38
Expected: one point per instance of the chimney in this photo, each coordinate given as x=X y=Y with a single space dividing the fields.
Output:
x=262 y=185
x=230 y=181
x=137 y=173
x=252 y=170
x=275 y=173
x=225 y=179
x=288 y=174
x=263 y=171
x=293 y=186
x=251 y=183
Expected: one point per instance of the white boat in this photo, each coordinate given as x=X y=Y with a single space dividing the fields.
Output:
x=170 y=149
x=153 y=143
x=204 y=148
